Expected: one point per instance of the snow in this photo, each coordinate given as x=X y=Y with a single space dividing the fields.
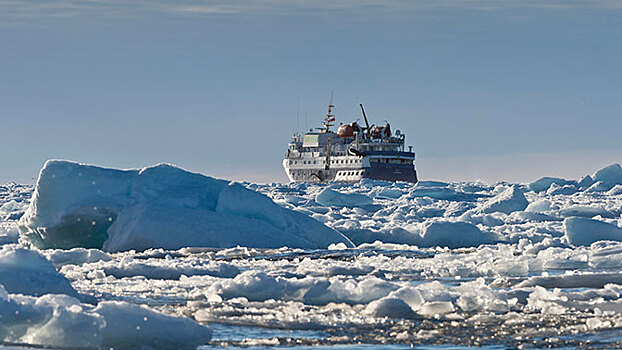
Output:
x=510 y=200
x=600 y=186
x=328 y=197
x=505 y=264
x=443 y=193
x=583 y=231
x=585 y=211
x=75 y=256
x=25 y=271
x=436 y=308
x=545 y=183
x=611 y=174
x=390 y=307
x=62 y=321
x=154 y=268
x=454 y=235
x=586 y=181
x=542 y=205
x=132 y=326
x=76 y=205
x=8 y=235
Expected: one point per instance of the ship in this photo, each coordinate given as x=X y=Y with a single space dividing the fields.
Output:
x=353 y=153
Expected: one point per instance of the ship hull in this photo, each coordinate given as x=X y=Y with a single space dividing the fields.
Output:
x=391 y=173
x=376 y=171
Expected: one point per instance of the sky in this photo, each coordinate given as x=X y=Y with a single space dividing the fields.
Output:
x=483 y=89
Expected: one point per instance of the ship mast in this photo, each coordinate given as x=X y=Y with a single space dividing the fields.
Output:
x=329 y=118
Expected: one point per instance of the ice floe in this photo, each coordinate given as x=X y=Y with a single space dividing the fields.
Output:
x=611 y=174
x=510 y=200
x=516 y=265
x=328 y=197
x=543 y=184
x=76 y=205
x=62 y=321
x=454 y=235
x=583 y=231
x=25 y=271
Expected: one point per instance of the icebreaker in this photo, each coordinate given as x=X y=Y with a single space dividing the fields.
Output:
x=163 y=206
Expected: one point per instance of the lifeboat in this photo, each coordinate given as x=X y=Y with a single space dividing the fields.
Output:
x=345 y=130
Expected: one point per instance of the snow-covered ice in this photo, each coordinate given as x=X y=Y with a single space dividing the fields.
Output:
x=583 y=231
x=518 y=265
x=38 y=306
x=61 y=321
x=25 y=271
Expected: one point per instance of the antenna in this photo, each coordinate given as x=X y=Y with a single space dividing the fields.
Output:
x=298 y=118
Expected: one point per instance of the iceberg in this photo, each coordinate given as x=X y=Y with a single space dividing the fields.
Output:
x=390 y=307
x=508 y=201
x=24 y=271
x=585 y=181
x=332 y=198
x=61 y=321
x=565 y=190
x=8 y=235
x=454 y=235
x=600 y=186
x=443 y=193
x=163 y=206
x=611 y=174
x=585 y=212
x=616 y=190
x=583 y=231
x=588 y=280
x=539 y=206
x=544 y=183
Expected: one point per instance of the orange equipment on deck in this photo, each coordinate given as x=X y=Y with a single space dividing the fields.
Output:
x=345 y=130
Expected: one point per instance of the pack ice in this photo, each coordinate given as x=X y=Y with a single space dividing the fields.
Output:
x=507 y=265
x=62 y=321
x=39 y=306
x=77 y=205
